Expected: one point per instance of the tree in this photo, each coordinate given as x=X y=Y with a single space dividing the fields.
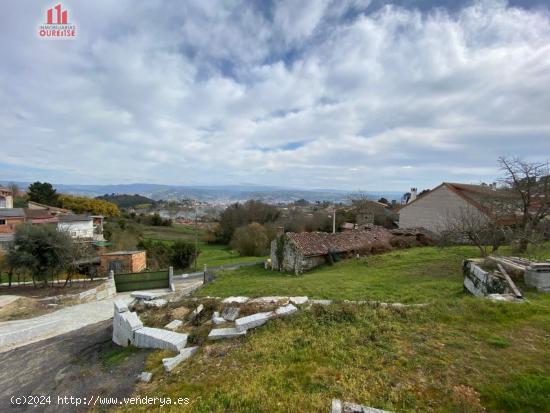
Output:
x=250 y=240
x=183 y=254
x=83 y=204
x=530 y=181
x=238 y=215
x=41 y=251
x=43 y=193
x=158 y=253
x=14 y=188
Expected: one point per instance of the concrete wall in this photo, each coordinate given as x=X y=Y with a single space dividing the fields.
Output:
x=434 y=210
x=77 y=229
x=479 y=282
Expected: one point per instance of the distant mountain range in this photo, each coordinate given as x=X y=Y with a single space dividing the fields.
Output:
x=217 y=194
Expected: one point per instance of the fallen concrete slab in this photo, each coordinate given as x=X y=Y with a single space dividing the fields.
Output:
x=223 y=333
x=285 y=310
x=173 y=325
x=148 y=337
x=230 y=313
x=337 y=406
x=270 y=300
x=125 y=325
x=146 y=295
x=252 y=321
x=236 y=300
x=172 y=362
x=156 y=303
x=298 y=300
x=195 y=313
x=216 y=319
x=321 y=302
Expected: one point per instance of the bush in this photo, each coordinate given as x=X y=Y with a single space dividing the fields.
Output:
x=238 y=215
x=183 y=254
x=159 y=253
x=251 y=240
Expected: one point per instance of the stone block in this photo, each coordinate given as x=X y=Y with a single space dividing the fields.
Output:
x=346 y=407
x=235 y=300
x=230 y=313
x=145 y=376
x=173 y=325
x=537 y=276
x=124 y=326
x=285 y=310
x=252 y=321
x=195 y=313
x=298 y=300
x=172 y=362
x=145 y=295
x=156 y=303
x=270 y=300
x=120 y=306
x=321 y=302
x=221 y=333
x=216 y=319
x=147 y=337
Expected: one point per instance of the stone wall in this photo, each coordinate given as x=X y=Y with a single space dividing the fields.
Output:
x=293 y=260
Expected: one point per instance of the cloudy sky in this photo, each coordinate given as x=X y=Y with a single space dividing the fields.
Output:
x=354 y=94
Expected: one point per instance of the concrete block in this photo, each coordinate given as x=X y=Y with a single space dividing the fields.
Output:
x=172 y=362
x=147 y=337
x=285 y=310
x=230 y=313
x=270 y=300
x=538 y=276
x=221 y=333
x=337 y=406
x=216 y=319
x=124 y=326
x=120 y=306
x=252 y=321
x=145 y=376
x=173 y=325
x=195 y=313
x=298 y=300
x=156 y=303
x=145 y=295
x=321 y=302
x=236 y=300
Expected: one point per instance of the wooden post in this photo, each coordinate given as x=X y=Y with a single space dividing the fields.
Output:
x=204 y=275
x=512 y=285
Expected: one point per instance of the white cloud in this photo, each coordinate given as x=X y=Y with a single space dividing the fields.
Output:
x=322 y=94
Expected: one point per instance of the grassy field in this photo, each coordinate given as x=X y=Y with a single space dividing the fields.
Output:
x=459 y=354
x=416 y=275
x=210 y=254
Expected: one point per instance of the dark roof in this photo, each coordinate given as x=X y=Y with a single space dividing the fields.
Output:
x=320 y=243
x=74 y=218
x=12 y=212
x=123 y=252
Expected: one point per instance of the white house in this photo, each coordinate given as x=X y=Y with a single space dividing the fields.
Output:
x=77 y=226
x=434 y=209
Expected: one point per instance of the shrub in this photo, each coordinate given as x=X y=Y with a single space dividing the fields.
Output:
x=182 y=254
x=250 y=240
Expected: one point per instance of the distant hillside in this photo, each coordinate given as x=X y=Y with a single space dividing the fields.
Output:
x=125 y=200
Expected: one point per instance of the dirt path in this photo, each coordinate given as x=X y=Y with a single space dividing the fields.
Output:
x=71 y=364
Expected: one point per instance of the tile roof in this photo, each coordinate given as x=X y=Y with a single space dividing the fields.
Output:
x=320 y=243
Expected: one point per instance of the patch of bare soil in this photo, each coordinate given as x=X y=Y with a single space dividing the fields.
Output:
x=82 y=363
x=23 y=308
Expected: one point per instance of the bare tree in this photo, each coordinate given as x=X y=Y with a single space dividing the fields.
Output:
x=530 y=181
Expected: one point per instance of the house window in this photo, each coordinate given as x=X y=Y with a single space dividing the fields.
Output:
x=2 y=222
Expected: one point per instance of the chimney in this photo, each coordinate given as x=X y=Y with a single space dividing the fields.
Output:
x=413 y=195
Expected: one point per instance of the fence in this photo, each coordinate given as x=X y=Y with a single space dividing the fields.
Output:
x=142 y=281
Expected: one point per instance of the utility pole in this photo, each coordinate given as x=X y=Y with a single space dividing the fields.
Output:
x=196 y=237
x=334 y=221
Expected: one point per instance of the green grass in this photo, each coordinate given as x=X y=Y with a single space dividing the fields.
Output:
x=116 y=355
x=458 y=354
x=414 y=275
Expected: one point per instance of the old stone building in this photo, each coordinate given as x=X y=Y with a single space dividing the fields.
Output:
x=299 y=252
